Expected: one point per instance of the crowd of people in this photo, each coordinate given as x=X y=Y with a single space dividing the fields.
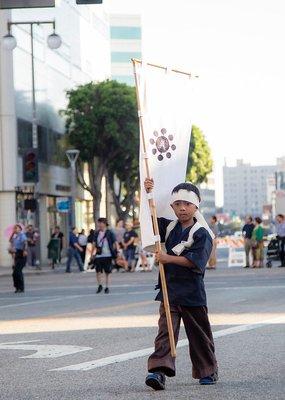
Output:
x=253 y=234
x=102 y=250
x=119 y=248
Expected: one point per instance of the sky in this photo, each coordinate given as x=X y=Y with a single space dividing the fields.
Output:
x=237 y=49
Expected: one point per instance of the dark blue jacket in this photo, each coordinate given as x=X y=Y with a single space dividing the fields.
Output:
x=110 y=236
x=186 y=285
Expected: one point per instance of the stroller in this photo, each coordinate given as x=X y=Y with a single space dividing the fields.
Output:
x=272 y=253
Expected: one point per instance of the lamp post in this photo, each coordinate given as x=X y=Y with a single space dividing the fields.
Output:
x=53 y=41
x=72 y=156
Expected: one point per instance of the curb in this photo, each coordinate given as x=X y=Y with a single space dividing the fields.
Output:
x=7 y=271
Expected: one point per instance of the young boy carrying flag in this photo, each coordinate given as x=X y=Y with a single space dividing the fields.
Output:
x=188 y=243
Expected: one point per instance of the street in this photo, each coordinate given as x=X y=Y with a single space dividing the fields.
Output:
x=61 y=341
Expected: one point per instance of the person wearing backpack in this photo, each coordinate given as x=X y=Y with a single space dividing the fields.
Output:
x=105 y=246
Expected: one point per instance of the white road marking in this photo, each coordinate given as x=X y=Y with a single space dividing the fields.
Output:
x=86 y=366
x=73 y=297
x=134 y=294
x=239 y=301
x=43 y=350
x=247 y=287
x=30 y=302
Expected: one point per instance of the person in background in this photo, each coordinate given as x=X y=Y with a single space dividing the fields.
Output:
x=105 y=247
x=19 y=246
x=280 y=230
x=89 y=257
x=247 y=231
x=129 y=246
x=257 y=243
x=212 y=264
x=74 y=251
x=119 y=232
x=32 y=237
x=90 y=237
x=144 y=260
x=57 y=234
x=82 y=241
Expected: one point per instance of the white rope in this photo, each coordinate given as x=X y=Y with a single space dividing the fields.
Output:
x=157 y=238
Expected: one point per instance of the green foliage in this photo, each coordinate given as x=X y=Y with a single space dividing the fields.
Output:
x=200 y=162
x=101 y=122
x=101 y=119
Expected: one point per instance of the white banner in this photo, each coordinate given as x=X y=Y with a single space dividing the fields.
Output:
x=165 y=99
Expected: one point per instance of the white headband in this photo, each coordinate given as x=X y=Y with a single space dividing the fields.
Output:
x=185 y=195
x=191 y=197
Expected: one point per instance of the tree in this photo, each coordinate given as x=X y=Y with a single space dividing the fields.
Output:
x=127 y=175
x=200 y=162
x=101 y=122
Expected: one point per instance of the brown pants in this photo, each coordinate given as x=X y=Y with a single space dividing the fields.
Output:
x=201 y=343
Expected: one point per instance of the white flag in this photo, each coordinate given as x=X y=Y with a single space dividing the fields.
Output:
x=165 y=99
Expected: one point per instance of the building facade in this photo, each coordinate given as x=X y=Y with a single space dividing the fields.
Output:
x=245 y=188
x=208 y=203
x=126 y=34
x=83 y=56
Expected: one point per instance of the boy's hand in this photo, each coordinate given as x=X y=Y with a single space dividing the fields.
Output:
x=162 y=257
x=148 y=185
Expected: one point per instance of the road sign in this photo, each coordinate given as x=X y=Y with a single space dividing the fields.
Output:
x=26 y=3
x=63 y=204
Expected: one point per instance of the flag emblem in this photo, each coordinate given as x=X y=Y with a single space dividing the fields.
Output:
x=162 y=144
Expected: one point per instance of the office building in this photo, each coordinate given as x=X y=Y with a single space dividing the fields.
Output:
x=83 y=56
x=126 y=43
x=245 y=188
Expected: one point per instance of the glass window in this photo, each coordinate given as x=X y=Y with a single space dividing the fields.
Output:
x=125 y=32
x=125 y=57
x=43 y=144
x=50 y=147
x=25 y=140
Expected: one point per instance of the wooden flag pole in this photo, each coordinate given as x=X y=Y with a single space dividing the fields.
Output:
x=156 y=229
x=178 y=71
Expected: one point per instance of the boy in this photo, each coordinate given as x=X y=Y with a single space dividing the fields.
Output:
x=105 y=246
x=188 y=243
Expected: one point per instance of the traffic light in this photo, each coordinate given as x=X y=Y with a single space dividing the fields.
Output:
x=30 y=166
x=89 y=1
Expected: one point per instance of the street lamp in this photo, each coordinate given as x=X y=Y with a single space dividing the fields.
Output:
x=72 y=156
x=53 y=42
x=9 y=42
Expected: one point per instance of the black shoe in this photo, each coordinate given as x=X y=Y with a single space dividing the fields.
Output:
x=209 y=380
x=281 y=266
x=107 y=290
x=155 y=380
x=16 y=291
x=100 y=288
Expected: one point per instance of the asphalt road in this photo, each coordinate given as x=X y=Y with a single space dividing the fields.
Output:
x=62 y=328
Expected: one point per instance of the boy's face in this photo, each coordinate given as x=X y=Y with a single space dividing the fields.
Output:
x=184 y=210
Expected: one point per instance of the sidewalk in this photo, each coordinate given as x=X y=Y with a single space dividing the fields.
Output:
x=45 y=269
